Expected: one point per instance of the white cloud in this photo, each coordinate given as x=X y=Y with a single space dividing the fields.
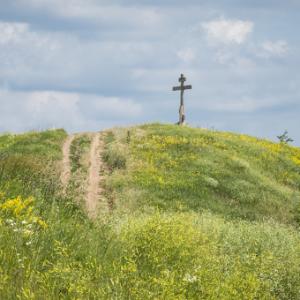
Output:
x=224 y=57
x=26 y=53
x=278 y=48
x=76 y=112
x=186 y=55
x=12 y=32
x=36 y=110
x=98 y=12
x=242 y=104
x=56 y=60
x=109 y=107
x=228 y=31
x=16 y=35
x=238 y=63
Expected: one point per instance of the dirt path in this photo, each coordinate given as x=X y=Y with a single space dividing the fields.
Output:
x=94 y=190
x=66 y=164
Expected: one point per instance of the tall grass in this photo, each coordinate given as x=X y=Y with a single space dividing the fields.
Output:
x=50 y=250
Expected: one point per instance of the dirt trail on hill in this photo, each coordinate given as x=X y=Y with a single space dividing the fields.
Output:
x=94 y=190
x=66 y=164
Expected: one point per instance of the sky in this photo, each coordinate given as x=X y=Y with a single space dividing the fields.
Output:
x=88 y=65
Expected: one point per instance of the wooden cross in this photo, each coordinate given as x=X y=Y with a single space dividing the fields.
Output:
x=181 y=88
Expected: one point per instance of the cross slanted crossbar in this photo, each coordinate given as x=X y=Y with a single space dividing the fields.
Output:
x=181 y=88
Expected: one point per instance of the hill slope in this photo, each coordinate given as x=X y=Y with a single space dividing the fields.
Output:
x=189 y=169
x=190 y=214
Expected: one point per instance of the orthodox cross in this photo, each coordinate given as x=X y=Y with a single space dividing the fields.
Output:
x=181 y=88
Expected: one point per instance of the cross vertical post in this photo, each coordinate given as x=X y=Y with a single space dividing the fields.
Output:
x=181 y=88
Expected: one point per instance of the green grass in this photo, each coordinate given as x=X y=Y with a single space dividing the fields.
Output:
x=79 y=159
x=79 y=147
x=174 y=168
x=41 y=144
x=28 y=163
x=198 y=214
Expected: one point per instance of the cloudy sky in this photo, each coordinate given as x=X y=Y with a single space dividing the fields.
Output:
x=92 y=64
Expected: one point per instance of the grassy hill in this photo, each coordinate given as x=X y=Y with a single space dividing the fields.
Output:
x=193 y=214
x=187 y=169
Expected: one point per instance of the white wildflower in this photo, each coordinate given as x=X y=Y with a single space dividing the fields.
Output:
x=190 y=278
x=10 y=222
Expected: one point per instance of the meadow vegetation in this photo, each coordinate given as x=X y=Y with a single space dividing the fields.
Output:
x=79 y=152
x=79 y=159
x=187 y=169
x=197 y=214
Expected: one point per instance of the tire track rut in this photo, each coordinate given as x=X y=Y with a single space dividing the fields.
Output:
x=66 y=163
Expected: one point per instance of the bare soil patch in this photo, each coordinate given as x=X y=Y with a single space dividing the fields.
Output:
x=94 y=189
x=66 y=164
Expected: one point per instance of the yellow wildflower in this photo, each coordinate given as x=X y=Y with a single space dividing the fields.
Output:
x=39 y=221
x=296 y=160
x=22 y=210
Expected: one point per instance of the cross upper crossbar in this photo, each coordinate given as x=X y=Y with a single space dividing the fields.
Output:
x=184 y=87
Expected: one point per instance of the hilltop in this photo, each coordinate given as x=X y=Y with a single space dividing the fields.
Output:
x=181 y=213
x=188 y=169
